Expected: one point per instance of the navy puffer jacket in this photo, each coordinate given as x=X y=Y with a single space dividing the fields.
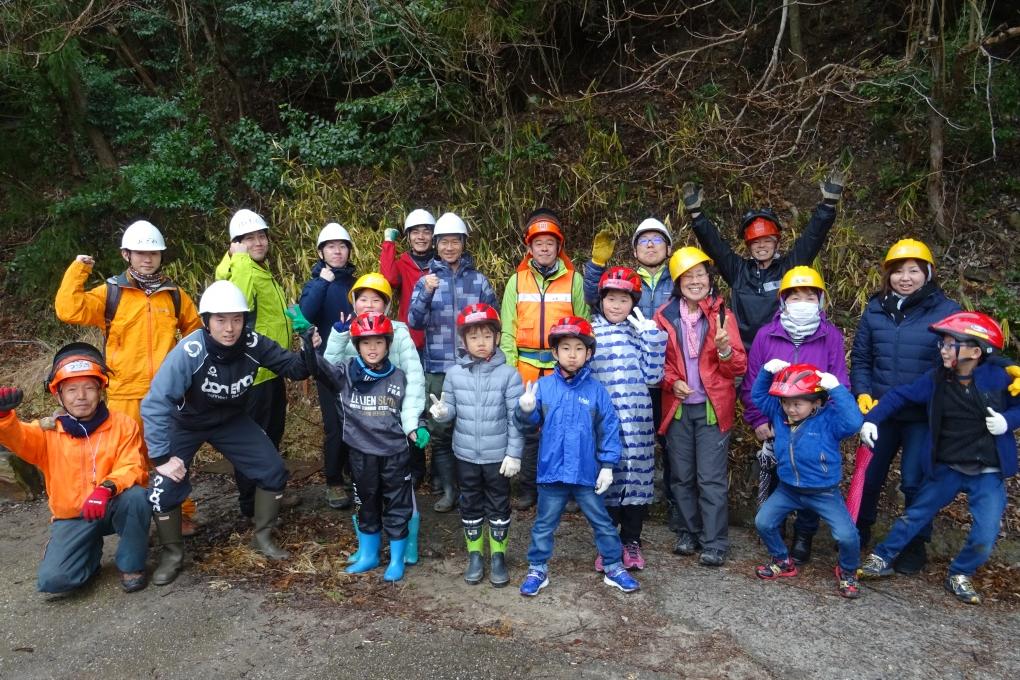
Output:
x=322 y=301
x=886 y=354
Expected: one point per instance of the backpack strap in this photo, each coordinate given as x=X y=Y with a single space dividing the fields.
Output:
x=113 y=293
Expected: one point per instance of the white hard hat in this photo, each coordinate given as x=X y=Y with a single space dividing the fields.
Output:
x=246 y=221
x=333 y=232
x=142 y=235
x=419 y=218
x=652 y=224
x=222 y=297
x=449 y=224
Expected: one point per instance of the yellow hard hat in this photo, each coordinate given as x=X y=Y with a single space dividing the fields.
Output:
x=685 y=258
x=909 y=249
x=373 y=281
x=801 y=277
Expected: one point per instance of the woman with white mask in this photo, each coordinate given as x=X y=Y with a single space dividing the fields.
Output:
x=798 y=333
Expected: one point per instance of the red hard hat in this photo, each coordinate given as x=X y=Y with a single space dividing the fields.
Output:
x=371 y=324
x=972 y=326
x=77 y=360
x=572 y=327
x=478 y=314
x=621 y=278
x=543 y=226
x=797 y=380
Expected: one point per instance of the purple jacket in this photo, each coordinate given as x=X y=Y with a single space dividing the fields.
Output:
x=824 y=349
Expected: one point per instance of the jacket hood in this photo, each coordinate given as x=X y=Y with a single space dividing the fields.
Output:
x=578 y=378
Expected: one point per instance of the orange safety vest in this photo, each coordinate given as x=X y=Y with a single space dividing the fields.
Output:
x=538 y=310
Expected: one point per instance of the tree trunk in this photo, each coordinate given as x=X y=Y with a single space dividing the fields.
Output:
x=937 y=130
x=79 y=108
x=127 y=54
x=797 y=41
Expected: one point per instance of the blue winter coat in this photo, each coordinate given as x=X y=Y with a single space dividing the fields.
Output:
x=651 y=299
x=809 y=457
x=481 y=397
x=436 y=311
x=991 y=381
x=886 y=355
x=580 y=431
x=322 y=301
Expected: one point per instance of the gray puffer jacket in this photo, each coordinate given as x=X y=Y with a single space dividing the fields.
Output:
x=482 y=396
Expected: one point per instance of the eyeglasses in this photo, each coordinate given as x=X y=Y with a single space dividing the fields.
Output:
x=651 y=241
x=954 y=345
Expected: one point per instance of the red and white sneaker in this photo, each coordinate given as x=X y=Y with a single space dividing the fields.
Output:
x=632 y=557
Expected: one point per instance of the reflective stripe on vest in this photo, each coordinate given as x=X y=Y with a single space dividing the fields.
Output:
x=538 y=311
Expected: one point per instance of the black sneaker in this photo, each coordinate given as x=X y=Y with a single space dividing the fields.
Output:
x=686 y=544
x=712 y=558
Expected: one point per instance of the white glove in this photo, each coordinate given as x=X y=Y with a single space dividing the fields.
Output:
x=604 y=481
x=869 y=434
x=640 y=323
x=173 y=468
x=996 y=422
x=439 y=409
x=510 y=466
x=774 y=366
x=527 y=401
x=827 y=380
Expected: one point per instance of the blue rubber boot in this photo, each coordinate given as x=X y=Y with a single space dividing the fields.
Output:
x=411 y=554
x=398 y=550
x=369 y=554
x=356 y=555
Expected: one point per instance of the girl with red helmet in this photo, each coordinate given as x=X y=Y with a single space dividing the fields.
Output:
x=808 y=429
x=371 y=395
x=480 y=394
x=971 y=415
x=629 y=355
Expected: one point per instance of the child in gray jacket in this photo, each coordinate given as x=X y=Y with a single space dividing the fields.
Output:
x=481 y=393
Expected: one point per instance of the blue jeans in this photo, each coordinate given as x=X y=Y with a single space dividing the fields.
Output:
x=986 y=499
x=552 y=498
x=828 y=504
x=892 y=435
x=76 y=546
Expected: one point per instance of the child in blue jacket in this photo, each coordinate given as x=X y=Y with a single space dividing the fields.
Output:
x=971 y=418
x=579 y=445
x=808 y=429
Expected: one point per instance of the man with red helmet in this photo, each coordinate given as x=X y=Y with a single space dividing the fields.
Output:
x=94 y=470
x=971 y=416
x=371 y=395
x=544 y=288
x=480 y=394
x=808 y=430
x=755 y=280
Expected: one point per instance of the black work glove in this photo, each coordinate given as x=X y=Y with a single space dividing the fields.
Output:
x=10 y=399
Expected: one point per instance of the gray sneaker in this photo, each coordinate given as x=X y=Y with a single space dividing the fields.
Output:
x=960 y=586
x=875 y=567
x=686 y=544
x=712 y=558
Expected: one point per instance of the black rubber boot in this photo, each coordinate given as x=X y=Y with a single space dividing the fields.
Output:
x=498 y=536
x=801 y=549
x=171 y=554
x=267 y=507
x=475 y=544
x=913 y=559
x=447 y=472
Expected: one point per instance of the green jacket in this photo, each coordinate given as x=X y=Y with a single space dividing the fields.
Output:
x=403 y=354
x=265 y=297
x=508 y=310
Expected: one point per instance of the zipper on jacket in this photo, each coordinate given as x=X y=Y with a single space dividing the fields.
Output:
x=541 y=310
x=793 y=462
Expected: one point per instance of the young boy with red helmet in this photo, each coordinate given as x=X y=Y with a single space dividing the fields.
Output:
x=971 y=416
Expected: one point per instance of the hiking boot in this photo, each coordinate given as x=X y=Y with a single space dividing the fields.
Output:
x=621 y=579
x=712 y=558
x=913 y=559
x=776 y=568
x=525 y=501
x=337 y=498
x=800 y=551
x=632 y=557
x=686 y=544
x=960 y=586
x=132 y=582
x=534 y=582
x=847 y=583
x=875 y=567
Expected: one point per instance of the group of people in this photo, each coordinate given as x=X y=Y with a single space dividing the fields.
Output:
x=570 y=386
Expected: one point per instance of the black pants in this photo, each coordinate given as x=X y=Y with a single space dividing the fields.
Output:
x=240 y=440
x=335 y=453
x=382 y=490
x=529 y=466
x=267 y=406
x=629 y=519
x=484 y=493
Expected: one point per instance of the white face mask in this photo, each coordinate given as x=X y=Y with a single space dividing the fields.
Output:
x=802 y=312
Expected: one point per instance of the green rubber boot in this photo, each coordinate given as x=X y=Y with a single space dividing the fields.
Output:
x=476 y=546
x=267 y=508
x=499 y=531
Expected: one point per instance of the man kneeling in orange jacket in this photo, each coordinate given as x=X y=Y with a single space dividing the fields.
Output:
x=95 y=478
